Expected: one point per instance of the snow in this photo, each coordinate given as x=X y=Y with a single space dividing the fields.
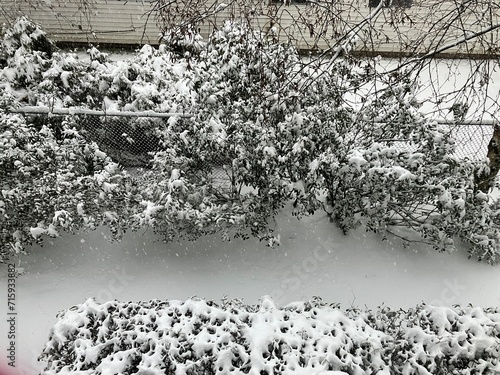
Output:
x=64 y=78
x=300 y=338
x=82 y=111
x=270 y=151
x=314 y=259
x=37 y=232
x=100 y=154
x=357 y=159
x=107 y=187
x=10 y=74
x=110 y=105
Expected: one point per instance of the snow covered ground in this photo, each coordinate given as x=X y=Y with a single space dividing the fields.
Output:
x=314 y=259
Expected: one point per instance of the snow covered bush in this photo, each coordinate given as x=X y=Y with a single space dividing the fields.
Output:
x=52 y=180
x=39 y=74
x=387 y=166
x=286 y=132
x=236 y=128
x=36 y=73
x=278 y=128
x=27 y=36
x=25 y=50
x=153 y=79
x=202 y=337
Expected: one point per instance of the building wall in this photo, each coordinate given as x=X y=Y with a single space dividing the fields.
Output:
x=409 y=30
x=112 y=21
x=396 y=31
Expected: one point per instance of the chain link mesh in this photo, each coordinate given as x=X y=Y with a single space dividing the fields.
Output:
x=471 y=140
x=132 y=141
x=129 y=141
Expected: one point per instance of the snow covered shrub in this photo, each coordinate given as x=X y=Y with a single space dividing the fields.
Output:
x=26 y=35
x=66 y=82
x=387 y=166
x=175 y=207
x=39 y=75
x=282 y=130
x=153 y=79
x=52 y=180
x=202 y=337
x=7 y=99
x=184 y=40
x=179 y=23
x=26 y=49
x=240 y=129
x=278 y=128
x=36 y=73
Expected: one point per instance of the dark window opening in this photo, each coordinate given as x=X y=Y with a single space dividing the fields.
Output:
x=393 y=3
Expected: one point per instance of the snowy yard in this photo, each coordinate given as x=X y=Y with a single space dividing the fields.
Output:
x=314 y=257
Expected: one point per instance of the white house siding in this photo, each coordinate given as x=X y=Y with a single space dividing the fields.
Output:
x=407 y=30
x=111 y=21
x=421 y=35
x=126 y=22
x=257 y=16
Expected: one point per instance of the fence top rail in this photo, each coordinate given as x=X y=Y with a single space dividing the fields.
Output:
x=92 y=112
x=483 y=122
x=451 y=122
x=118 y=113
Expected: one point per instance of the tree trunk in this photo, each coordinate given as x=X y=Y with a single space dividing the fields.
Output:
x=485 y=181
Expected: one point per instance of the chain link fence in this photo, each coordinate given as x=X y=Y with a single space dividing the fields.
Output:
x=126 y=137
x=130 y=139
x=472 y=139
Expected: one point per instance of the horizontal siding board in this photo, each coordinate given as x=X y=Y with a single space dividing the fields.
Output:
x=117 y=21
x=112 y=22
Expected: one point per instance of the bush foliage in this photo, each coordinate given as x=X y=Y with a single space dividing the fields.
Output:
x=53 y=181
x=202 y=337
x=282 y=129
